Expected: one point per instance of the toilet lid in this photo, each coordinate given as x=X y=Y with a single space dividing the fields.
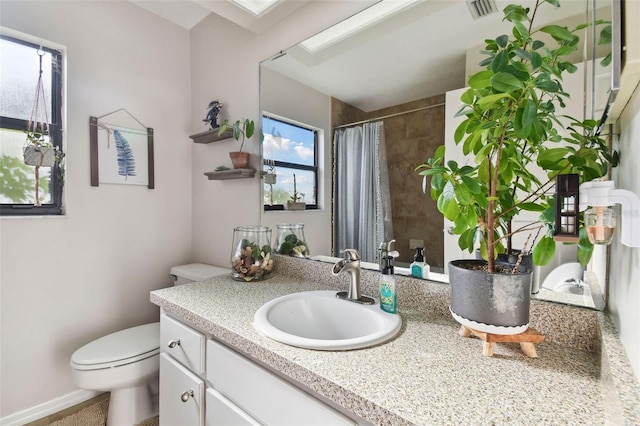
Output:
x=123 y=346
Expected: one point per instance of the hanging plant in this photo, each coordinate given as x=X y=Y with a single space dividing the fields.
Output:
x=37 y=150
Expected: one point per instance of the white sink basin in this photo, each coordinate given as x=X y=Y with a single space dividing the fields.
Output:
x=319 y=320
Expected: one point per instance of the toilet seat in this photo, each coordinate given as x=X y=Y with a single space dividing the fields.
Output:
x=119 y=348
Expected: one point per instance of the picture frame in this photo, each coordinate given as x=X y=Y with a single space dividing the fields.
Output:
x=120 y=155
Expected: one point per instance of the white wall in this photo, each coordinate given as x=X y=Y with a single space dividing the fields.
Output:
x=624 y=285
x=288 y=98
x=225 y=66
x=68 y=280
x=96 y=265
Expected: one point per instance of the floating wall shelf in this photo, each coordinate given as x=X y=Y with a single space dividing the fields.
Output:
x=231 y=174
x=211 y=136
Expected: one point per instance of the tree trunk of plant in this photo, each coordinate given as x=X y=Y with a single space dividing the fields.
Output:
x=490 y=237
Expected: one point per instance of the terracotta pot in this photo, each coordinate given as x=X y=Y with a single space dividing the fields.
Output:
x=239 y=159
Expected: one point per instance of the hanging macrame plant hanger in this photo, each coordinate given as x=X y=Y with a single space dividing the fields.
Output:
x=37 y=150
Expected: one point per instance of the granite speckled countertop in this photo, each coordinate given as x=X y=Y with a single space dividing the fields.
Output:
x=428 y=374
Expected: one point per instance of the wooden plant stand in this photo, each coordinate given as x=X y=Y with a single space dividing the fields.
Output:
x=527 y=340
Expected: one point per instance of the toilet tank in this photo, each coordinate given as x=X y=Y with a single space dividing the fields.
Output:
x=191 y=272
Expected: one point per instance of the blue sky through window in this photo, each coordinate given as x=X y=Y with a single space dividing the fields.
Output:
x=286 y=142
x=291 y=150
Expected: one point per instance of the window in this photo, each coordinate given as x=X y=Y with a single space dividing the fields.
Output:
x=20 y=67
x=290 y=151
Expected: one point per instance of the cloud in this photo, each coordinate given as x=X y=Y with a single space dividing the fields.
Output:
x=275 y=143
x=303 y=152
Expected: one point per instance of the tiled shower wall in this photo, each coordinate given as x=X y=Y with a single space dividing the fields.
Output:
x=411 y=138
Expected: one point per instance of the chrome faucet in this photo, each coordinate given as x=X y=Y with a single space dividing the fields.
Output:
x=351 y=265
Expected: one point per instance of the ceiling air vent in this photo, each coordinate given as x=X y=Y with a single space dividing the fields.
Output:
x=481 y=8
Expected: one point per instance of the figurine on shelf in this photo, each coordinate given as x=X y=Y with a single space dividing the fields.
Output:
x=212 y=115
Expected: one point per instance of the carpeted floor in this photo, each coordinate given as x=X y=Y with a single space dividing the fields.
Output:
x=95 y=415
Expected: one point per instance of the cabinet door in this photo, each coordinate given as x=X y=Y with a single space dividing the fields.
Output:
x=181 y=395
x=222 y=412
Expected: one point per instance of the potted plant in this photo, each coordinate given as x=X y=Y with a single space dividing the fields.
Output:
x=240 y=129
x=295 y=203
x=269 y=175
x=39 y=152
x=510 y=124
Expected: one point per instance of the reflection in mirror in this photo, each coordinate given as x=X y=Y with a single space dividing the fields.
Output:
x=399 y=71
x=295 y=163
x=361 y=202
x=601 y=64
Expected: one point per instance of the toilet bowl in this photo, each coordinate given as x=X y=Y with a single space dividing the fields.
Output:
x=127 y=362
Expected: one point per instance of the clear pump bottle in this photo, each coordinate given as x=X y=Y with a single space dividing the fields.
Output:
x=388 y=296
x=419 y=268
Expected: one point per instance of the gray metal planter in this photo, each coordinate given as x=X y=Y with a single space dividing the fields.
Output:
x=495 y=303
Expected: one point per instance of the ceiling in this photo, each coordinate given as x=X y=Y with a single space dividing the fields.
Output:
x=416 y=53
x=188 y=13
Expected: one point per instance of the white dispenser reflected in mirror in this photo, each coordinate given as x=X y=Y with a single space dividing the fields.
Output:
x=600 y=219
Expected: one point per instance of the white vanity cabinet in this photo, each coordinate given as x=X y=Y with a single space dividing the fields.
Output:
x=181 y=394
x=223 y=412
x=203 y=382
x=182 y=386
x=263 y=394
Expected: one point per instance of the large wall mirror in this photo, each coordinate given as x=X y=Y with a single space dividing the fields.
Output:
x=403 y=68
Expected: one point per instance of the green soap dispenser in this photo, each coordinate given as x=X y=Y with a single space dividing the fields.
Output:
x=388 y=297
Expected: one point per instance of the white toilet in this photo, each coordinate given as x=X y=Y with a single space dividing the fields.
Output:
x=126 y=363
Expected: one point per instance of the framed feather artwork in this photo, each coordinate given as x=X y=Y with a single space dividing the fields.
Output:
x=121 y=155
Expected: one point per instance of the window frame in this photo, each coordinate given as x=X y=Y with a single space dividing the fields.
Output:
x=295 y=166
x=55 y=137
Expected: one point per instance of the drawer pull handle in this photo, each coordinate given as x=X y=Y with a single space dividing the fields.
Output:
x=185 y=395
x=174 y=343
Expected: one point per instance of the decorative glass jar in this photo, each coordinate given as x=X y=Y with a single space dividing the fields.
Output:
x=251 y=258
x=290 y=240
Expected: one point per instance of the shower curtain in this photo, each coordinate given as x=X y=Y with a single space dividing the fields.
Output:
x=362 y=204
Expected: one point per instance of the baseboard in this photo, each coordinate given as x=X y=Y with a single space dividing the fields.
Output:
x=47 y=408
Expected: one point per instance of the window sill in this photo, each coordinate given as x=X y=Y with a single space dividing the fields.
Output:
x=34 y=217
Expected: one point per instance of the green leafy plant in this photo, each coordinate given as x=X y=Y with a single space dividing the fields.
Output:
x=293 y=246
x=38 y=152
x=511 y=123
x=239 y=129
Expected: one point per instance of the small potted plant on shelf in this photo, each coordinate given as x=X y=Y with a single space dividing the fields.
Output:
x=511 y=123
x=295 y=203
x=239 y=129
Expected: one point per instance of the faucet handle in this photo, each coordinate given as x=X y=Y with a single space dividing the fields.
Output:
x=351 y=254
x=386 y=246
